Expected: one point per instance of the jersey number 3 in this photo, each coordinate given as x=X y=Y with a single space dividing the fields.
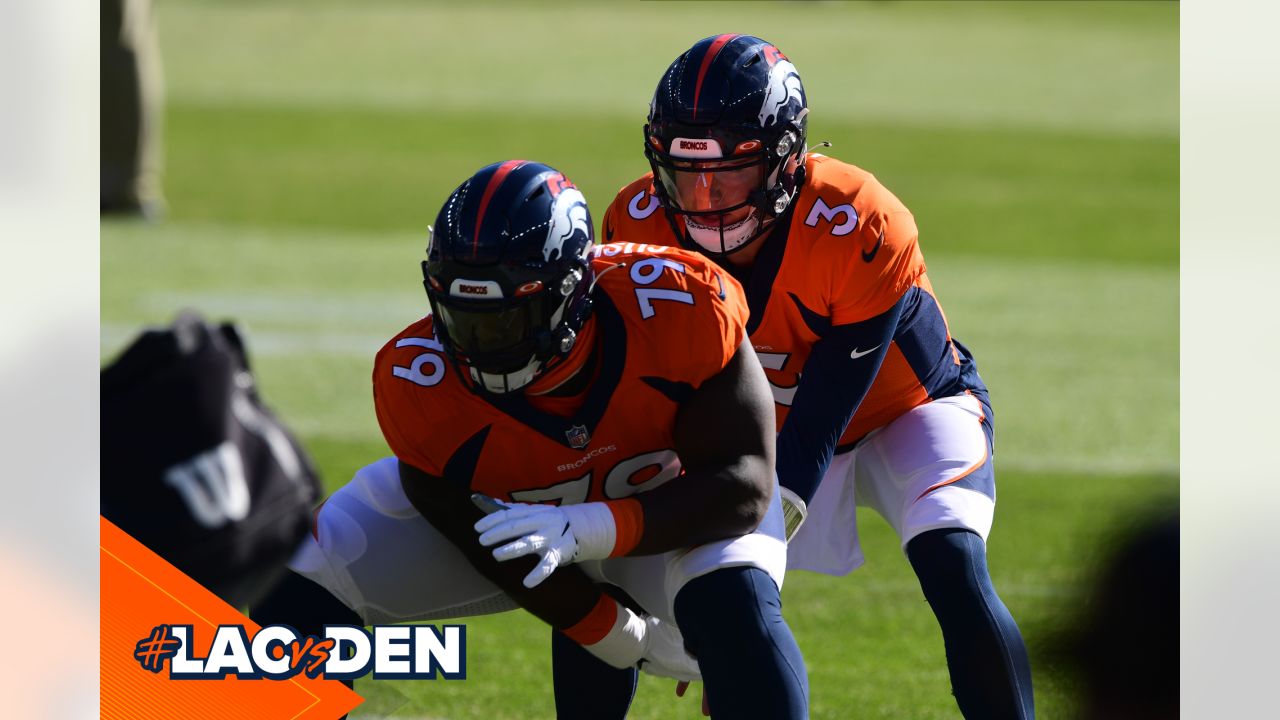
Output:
x=820 y=210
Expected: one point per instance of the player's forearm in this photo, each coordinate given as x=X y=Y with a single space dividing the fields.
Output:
x=840 y=370
x=567 y=600
x=725 y=439
x=706 y=505
x=562 y=601
x=805 y=448
x=570 y=602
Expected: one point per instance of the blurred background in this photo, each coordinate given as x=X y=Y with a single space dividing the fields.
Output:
x=307 y=145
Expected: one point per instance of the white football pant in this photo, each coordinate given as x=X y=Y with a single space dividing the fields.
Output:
x=380 y=557
x=928 y=469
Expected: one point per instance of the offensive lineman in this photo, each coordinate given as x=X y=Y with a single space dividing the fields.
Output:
x=608 y=399
x=877 y=405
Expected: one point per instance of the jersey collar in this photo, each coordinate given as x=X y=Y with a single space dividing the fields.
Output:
x=757 y=280
x=612 y=336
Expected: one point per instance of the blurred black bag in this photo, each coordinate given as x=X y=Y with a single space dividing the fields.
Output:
x=195 y=467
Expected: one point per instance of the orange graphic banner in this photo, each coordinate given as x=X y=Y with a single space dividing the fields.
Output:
x=141 y=591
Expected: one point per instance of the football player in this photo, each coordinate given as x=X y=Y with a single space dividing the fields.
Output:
x=877 y=405
x=604 y=406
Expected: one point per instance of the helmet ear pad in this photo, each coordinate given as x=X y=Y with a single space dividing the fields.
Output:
x=790 y=173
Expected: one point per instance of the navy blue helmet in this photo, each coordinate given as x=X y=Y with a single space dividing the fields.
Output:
x=726 y=141
x=508 y=272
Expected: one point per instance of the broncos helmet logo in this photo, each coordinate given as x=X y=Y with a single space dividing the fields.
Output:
x=568 y=217
x=784 y=84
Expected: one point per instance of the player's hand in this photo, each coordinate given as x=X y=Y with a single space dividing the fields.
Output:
x=557 y=535
x=683 y=686
x=794 y=512
x=664 y=653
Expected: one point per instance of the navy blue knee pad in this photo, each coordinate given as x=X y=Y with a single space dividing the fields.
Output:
x=752 y=668
x=987 y=659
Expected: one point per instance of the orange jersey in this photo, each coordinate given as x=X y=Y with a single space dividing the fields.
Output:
x=848 y=254
x=666 y=320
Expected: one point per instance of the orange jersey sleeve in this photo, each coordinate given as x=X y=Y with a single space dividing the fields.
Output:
x=414 y=400
x=636 y=216
x=866 y=235
x=679 y=301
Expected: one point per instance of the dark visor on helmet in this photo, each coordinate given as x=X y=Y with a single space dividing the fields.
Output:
x=493 y=336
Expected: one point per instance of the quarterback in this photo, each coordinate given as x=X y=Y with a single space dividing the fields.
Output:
x=876 y=403
x=580 y=431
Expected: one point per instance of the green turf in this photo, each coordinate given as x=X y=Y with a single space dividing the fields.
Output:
x=309 y=144
x=870 y=642
x=1100 y=67
x=1014 y=193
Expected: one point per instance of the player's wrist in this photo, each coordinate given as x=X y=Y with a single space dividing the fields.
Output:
x=628 y=520
x=605 y=529
x=665 y=654
x=612 y=633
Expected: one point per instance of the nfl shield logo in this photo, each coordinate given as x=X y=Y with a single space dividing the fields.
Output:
x=578 y=436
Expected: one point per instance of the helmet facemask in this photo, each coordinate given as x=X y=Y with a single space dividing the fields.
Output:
x=505 y=342
x=719 y=204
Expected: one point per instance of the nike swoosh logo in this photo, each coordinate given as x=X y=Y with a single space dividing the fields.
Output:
x=859 y=353
x=869 y=256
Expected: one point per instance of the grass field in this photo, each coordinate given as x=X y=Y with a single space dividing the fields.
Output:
x=309 y=144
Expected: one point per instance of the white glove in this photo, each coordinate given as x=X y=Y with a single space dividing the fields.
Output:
x=557 y=535
x=664 y=653
x=794 y=512
x=645 y=642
